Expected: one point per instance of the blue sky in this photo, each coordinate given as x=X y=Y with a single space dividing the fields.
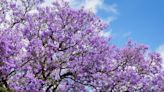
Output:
x=139 y=20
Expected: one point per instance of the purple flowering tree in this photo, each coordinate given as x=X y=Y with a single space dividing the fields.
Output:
x=60 y=49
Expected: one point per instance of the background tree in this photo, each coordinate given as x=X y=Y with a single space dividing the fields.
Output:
x=60 y=49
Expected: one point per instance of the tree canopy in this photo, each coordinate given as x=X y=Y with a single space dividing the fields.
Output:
x=60 y=49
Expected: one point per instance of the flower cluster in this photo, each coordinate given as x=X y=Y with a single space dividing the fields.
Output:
x=60 y=49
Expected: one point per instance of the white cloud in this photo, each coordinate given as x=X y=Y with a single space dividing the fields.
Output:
x=93 y=5
x=110 y=8
x=160 y=50
x=105 y=34
x=96 y=5
x=110 y=19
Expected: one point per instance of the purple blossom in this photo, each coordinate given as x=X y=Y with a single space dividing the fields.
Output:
x=59 y=49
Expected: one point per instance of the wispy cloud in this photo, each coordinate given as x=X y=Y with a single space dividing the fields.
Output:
x=112 y=8
x=110 y=19
x=96 y=5
x=106 y=34
x=93 y=5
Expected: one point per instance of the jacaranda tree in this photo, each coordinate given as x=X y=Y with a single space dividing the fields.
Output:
x=60 y=49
